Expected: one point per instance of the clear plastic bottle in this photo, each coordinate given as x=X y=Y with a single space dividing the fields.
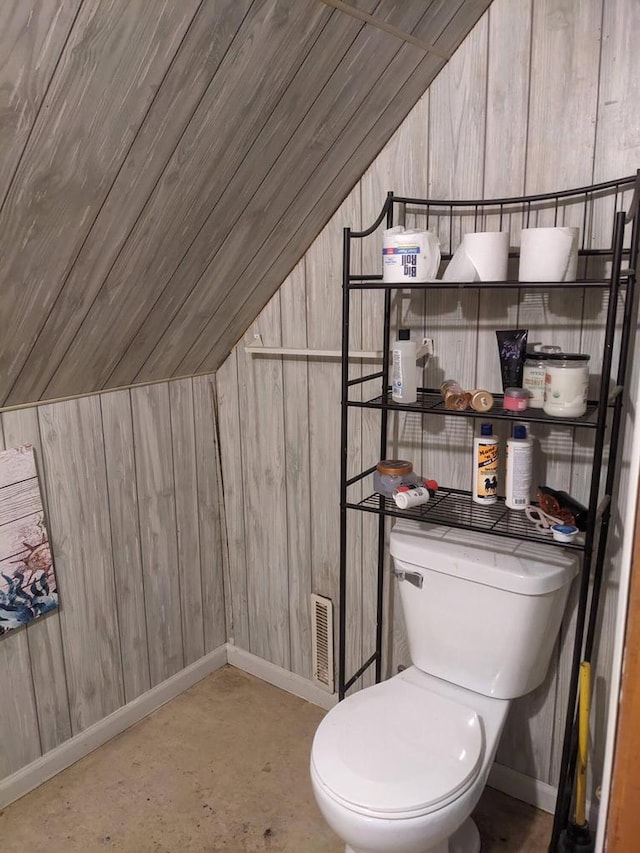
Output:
x=519 y=462
x=484 y=486
x=403 y=375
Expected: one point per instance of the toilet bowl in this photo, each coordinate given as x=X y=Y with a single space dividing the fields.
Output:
x=400 y=766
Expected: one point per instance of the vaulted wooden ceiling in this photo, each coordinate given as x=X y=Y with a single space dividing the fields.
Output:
x=165 y=163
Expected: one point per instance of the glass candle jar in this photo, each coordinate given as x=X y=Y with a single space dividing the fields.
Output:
x=391 y=473
x=566 y=385
x=534 y=375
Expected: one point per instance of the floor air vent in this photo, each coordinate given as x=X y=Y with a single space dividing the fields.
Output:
x=322 y=640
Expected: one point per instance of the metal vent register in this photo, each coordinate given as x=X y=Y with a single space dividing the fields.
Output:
x=322 y=640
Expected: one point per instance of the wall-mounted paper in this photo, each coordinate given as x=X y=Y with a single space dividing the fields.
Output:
x=409 y=255
x=548 y=254
x=27 y=581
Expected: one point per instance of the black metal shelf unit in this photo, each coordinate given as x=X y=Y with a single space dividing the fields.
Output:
x=454 y=507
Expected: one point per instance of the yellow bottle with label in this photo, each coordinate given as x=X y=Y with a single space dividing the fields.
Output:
x=484 y=485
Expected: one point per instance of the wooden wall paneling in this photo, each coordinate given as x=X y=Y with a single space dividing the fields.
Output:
x=525 y=743
x=43 y=635
x=199 y=169
x=197 y=59
x=617 y=153
x=295 y=372
x=565 y=38
x=337 y=122
x=210 y=513
x=32 y=36
x=379 y=114
x=185 y=478
x=167 y=331
x=65 y=173
x=20 y=741
x=559 y=154
x=456 y=157
x=264 y=462
x=74 y=462
x=324 y=312
x=356 y=58
x=158 y=530
x=119 y=452
x=233 y=479
x=504 y=163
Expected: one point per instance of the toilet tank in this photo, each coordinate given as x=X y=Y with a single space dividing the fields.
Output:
x=480 y=611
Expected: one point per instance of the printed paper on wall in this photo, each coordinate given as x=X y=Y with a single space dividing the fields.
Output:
x=27 y=581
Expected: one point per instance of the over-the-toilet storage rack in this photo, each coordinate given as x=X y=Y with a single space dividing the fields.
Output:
x=610 y=268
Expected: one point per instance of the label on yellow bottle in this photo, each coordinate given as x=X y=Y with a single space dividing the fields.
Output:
x=487 y=471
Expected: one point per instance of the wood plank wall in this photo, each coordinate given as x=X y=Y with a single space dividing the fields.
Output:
x=542 y=95
x=131 y=490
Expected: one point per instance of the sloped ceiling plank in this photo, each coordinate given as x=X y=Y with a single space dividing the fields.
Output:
x=115 y=58
x=361 y=70
x=199 y=56
x=328 y=188
x=309 y=84
x=32 y=36
x=242 y=96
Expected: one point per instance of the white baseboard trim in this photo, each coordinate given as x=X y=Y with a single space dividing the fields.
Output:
x=280 y=677
x=522 y=787
x=34 y=774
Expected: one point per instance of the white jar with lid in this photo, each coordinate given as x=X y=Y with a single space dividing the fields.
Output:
x=566 y=385
x=534 y=375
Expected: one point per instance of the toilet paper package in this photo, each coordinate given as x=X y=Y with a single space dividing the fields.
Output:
x=548 y=254
x=409 y=255
x=481 y=256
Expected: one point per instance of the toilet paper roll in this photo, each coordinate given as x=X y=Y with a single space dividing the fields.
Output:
x=482 y=256
x=548 y=254
x=409 y=255
x=460 y=267
x=488 y=251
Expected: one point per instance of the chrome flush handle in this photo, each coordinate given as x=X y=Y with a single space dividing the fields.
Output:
x=414 y=578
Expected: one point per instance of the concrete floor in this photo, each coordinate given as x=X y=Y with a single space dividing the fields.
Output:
x=224 y=767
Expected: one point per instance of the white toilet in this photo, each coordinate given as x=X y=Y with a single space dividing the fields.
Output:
x=399 y=767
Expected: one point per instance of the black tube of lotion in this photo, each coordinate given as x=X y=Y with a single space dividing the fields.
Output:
x=512 y=347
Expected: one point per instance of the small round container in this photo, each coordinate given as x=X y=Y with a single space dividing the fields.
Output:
x=566 y=385
x=564 y=532
x=391 y=473
x=481 y=400
x=515 y=399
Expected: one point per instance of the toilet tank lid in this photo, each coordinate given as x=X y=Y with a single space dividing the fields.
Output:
x=527 y=568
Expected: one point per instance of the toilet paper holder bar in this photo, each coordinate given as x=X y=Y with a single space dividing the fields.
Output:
x=414 y=578
x=425 y=349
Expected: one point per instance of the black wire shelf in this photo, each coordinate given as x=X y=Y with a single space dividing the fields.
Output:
x=455 y=508
x=431 y=402
x=374 y=282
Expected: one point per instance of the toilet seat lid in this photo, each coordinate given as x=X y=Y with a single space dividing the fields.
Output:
x=397 y=749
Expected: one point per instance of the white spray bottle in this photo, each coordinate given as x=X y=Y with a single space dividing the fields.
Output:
x=403 y=369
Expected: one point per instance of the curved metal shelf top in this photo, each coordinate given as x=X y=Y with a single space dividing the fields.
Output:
x=587 y=193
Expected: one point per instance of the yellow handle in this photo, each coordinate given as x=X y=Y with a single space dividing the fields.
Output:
x=584 y=711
